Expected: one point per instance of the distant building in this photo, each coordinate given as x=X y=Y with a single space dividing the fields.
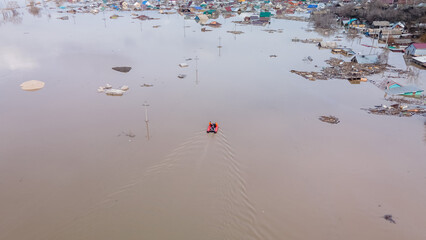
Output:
x=398 y=25
x=416 y=49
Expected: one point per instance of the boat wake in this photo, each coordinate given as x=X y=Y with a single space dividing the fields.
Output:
x=200 y=184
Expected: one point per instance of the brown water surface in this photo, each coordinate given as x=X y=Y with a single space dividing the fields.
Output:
x=273 y=171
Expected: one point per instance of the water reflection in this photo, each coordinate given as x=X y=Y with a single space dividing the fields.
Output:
x=413 y=75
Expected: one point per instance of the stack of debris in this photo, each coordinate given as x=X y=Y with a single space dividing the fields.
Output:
x=397 y=110
x=343 y=70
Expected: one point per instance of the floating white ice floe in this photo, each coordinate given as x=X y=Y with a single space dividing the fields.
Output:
x=32 y=85
x=114 y=92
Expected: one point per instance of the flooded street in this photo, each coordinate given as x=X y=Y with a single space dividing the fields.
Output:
x=78 y=164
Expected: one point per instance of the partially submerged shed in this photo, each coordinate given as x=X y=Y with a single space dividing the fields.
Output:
x=395 y=88
x=325 y=44
x=365 y=59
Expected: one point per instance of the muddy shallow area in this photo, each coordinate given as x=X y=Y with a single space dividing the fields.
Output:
x=78 y=164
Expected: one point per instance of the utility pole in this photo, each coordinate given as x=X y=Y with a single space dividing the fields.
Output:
x=146 y=119
x=196 y=70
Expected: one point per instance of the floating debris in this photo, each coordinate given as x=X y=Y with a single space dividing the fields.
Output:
x=182 y=65
x=205 y=30
x=32 y=85
x=236 y=32
x=214 y=24
x=389 y=218
x=64 y=18
x=181 y=75
x=327 y=44
x=340 y=69
x=310 y=40
x=356 y=80
x=273 y=31
x=405 y=100
x=115 y=16
x=147 y=85
x=114 y=92
x=128 y=134
x=308 y=59
x=156 y=26
x=273 y=56
x=329 y=119
x=144 y=17
x=108 y=90
x=397 y=110
x=310 y=75
x=163 y=12
x=122 y=69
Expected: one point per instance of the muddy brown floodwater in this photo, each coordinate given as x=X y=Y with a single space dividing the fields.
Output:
x=78 y=164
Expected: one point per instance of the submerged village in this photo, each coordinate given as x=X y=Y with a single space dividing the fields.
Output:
x=393 y=26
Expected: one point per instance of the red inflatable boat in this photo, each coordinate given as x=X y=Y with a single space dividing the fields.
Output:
x=213 y=127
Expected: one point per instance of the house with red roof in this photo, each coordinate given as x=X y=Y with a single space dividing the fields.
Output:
x=416 y=49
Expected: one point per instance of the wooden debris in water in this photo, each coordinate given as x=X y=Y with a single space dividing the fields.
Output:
x=397 y=110
x=310 y=75
x=115 y=16
x=329 y=119
x=273 y=30
x=122 y=69
x=236 y=32
x=389 y=218
x=340 y=69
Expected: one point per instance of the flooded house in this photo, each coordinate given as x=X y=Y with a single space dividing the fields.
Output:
x=383 y=29
x=416 y=49
x=365 y=59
